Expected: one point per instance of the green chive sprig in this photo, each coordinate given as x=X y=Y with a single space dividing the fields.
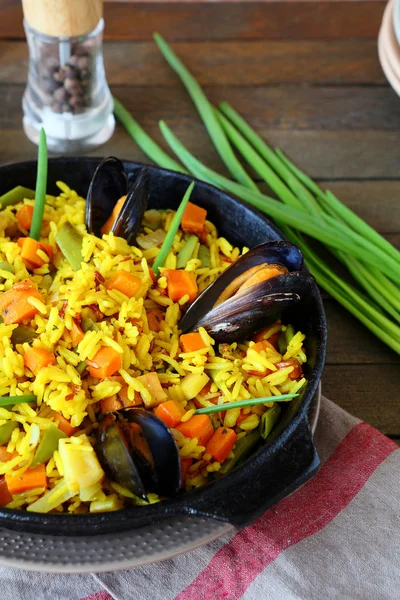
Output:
x=41 y=184
x=208 y=410
x=12 y=400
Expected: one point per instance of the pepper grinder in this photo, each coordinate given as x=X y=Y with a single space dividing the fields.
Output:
x=67 y=92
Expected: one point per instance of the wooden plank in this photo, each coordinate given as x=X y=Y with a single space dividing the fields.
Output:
x=369 y=392
x=252 y=20
x=226 y=63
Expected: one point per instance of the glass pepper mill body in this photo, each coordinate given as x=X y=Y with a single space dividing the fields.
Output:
x=67 y=92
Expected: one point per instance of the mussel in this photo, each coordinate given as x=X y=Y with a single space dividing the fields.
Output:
x=109 y=184
x=252 y=293
x=139 y=452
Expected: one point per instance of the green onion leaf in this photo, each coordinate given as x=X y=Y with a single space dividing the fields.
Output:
x=41 y=183
x=11 y=400
x=169 y=238
x=208 y=410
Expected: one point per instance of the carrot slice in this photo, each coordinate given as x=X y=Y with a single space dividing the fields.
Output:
x=63 y=424
x=293 y=362
x=38 y=358
x=29 y=253
x=108 y=225
x=29 y=480
x=24 y=216
x=5 y=496
x=181 y=283
x=259 y=346
x=14 y=305
x=170 y=412
x=105 y=363
x=6 y=456
x=76 y=333
x=198 y=426
x=154 y=318
x=186 y=463
x=193 y=218
x=190 y=342
x=124 y=282
x=221 y=443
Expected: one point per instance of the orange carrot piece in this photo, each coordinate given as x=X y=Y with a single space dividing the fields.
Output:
x=198 y=426
x=273 y=339
x=293 y=362
x=186 y=463
x=29 y=250
x=106 y=228
x=221 y=443
x=170 y=412
x=24 y=216
x=124 y=282
x=105 y=363
x=76 y=333
x=154 y=318
x=181 y=283
x=38 y=358
x=5 y=496
x=242 y=416
x=63 y=424
x=120 y=401
x=6 y=456
x=193 y=218
x=260 y=346
x=14 y=305
x=190 y=342
x=29 y=480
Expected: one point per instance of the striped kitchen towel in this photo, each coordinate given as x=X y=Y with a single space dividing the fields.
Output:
x=336 y=537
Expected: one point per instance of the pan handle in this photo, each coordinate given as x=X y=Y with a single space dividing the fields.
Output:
x=274 y=473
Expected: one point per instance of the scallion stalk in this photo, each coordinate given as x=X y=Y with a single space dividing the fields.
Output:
x=12 y=400
x=41 y=183
x=208 y=410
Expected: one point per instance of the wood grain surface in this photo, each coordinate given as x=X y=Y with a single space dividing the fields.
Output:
x=307 y=77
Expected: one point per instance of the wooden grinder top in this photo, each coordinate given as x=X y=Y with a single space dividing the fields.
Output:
x=63 y=18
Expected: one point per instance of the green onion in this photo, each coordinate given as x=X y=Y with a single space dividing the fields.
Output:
x=186 y=253
x=206 y=112
x=17 y=194
x=268 y=420
x=208 y=410
x=11 y=400
x=169 y=238
x=69 y=241
x=144 y=141
x=41 y=183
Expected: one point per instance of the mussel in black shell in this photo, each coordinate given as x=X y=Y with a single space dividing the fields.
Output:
x=252 y=293
x=139 y=452
x=107 y=190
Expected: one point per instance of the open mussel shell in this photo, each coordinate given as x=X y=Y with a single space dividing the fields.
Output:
x=108 y=184
x=279 y=253
x=241 y=316
x=138 y=451
x=129 y=220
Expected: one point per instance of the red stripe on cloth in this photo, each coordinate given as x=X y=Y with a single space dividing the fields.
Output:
x=233 y=568
x=102 y=595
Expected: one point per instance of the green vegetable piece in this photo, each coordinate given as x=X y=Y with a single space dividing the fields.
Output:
x=23 y=334
x=268 y=420
x=186 y=253
x=12 y=400
x=152 y=219
x=70 y=243
x=48 y=445
x=289 y=334
x=208 y=410
x=6 y=431
x=80 y=367
x=88 y=324
x=204 y=257
x=6 y=267
x=169 y=238
x=17 y=194
x=41 y=183
x=282 y=345
x=241 y=450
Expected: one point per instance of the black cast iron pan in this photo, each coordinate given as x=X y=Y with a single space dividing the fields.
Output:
x=274 y=470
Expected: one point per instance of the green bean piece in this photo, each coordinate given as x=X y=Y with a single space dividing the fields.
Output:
x=6 y=431
x=70 y=243
x=268 y=420
x=12 y=400
x=243 y=403
x=23 y=334
x=204 y=257
x=88 y=324
x=169 y=238
x=187 y=251
x=241 y=450
x=48 y=445
x=17 y=194
x=41 y=184
x=80 y=367
x=6 y=267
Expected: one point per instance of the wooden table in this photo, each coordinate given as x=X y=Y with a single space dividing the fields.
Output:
x=307 y=76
